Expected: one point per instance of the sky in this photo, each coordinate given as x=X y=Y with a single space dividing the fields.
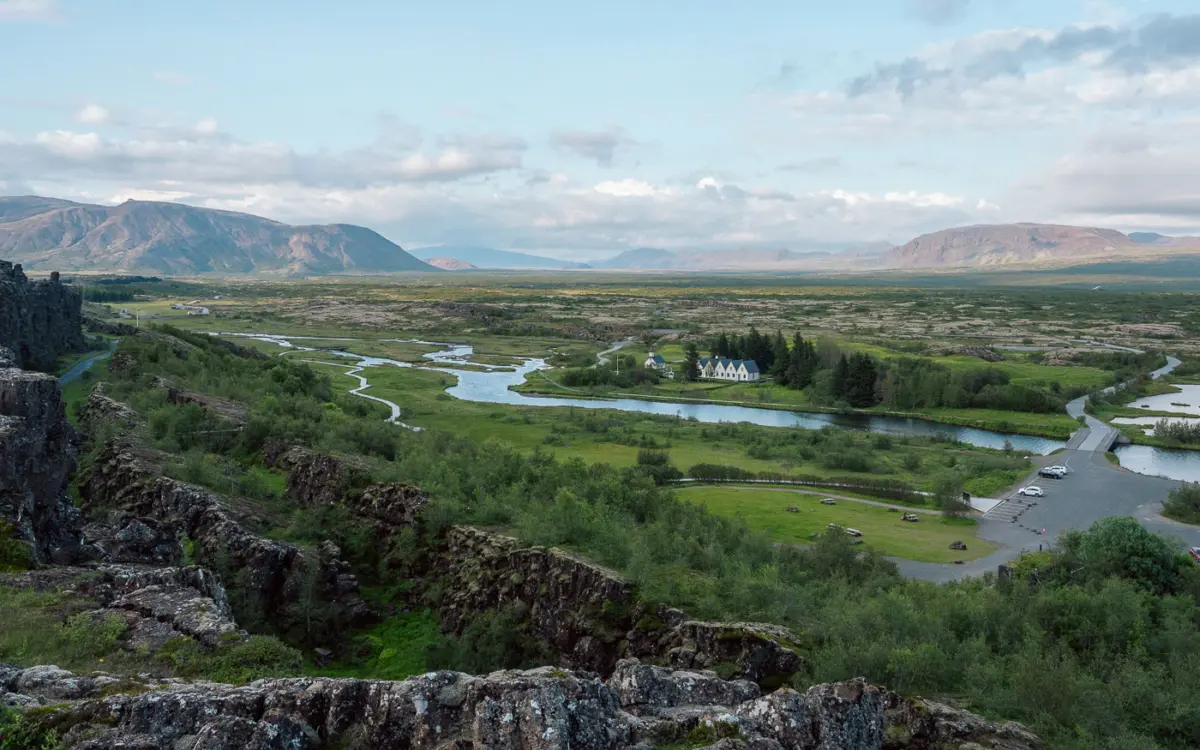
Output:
x=578 y=130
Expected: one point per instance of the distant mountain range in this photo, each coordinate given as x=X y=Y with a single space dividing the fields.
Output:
x=173 y=238
x=487 y=257
x=450 y=264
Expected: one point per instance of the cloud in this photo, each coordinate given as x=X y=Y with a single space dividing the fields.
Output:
x=203 y=154
x=938 y=12
x=93 y=114
x=28 y=10
x=598 y=146
x=207 y=126
x=1142 y=177
x=1163 y=42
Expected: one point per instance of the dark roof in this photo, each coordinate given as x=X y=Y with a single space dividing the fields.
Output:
x=751 y=365
x=658 y=359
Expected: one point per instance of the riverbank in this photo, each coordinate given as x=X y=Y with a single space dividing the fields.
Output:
x=1052 y=426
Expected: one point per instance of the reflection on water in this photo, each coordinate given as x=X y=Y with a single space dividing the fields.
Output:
x=493 y=387
x=1187 y=401
x=1165 y=462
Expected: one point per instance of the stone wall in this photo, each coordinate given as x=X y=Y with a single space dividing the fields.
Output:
x=39 y=320
x=37 y=456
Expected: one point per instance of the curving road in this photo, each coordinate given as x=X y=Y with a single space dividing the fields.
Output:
x=602 y=357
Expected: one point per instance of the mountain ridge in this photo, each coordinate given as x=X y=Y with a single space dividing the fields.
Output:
x=175 y=238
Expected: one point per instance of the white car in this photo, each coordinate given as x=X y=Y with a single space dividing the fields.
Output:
x=1031 y=491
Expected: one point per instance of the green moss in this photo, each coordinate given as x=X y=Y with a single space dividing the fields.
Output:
x=727 y=670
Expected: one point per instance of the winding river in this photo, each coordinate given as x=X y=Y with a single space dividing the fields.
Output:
x=492 y=384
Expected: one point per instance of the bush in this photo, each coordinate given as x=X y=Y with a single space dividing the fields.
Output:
x=1183 y=504
x=257 y=657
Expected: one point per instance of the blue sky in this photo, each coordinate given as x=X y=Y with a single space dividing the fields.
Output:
x=580 y=130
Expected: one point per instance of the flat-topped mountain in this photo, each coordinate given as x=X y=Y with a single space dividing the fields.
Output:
x=173 y=238
x=986 y=246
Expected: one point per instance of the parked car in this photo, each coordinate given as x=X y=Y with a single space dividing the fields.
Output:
x=909 y=517
x=853 y=532
x=1031 y=491
x=1195 y=553
x=1051 y=472
x=1060 y=468
x=828 y=501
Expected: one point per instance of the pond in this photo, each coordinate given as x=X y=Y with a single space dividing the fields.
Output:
x=1164 y=462
x=1186 y=402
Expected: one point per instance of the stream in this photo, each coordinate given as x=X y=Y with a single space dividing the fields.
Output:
x=492 y=386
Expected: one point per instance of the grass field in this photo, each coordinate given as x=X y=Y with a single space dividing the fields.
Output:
x=767 y=510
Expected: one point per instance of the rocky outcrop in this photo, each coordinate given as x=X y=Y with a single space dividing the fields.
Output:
x=319 y=479
x=100 y=409
x=37 y=456
x=275 y=580
x=156 y=605
x=928 y=724
x=640 y=707
x=123 y=538
x=592 y=617
x=223 y=408
x=314 y=478
x=39 y=320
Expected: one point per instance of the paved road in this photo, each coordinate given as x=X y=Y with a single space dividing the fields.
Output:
x=84 y=365
x=1094 y=489
x=602 y=359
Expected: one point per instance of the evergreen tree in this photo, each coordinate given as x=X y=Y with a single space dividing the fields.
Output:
x=861 y=373
x=722 y=346
x=802 y=363
x=840 y=385
x=781 y=359
x=691 y=362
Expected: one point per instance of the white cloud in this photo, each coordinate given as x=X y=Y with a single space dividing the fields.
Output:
x=630 y=188
x=28 y=10
x=207 y=126
x=93 y=114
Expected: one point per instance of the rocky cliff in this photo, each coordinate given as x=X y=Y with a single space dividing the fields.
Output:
x=37 y=456
x=590 y=616
x=276 y=580
x=39 y=320
x=639 y=707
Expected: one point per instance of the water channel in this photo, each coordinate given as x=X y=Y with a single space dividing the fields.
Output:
x=491 y=384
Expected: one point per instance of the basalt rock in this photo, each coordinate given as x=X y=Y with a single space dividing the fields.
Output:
x=592 y=617
x=37 y=456
x=928 y=725
x=314 y=478
x=100 y=409
x=39 y=320
x=541 y=709
x=123 y=538
x=273 y=578
x=319 y=479
x=156 y=605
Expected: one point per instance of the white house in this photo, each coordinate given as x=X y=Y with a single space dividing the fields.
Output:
x=737 y=370
x=656 y=362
